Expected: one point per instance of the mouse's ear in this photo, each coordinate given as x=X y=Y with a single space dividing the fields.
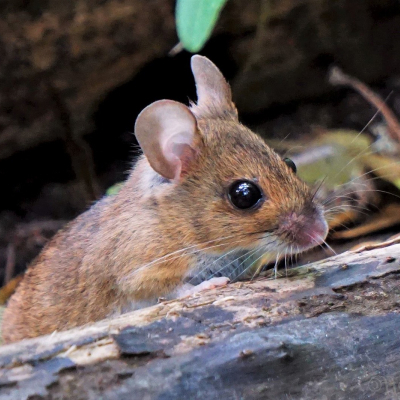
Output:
x=214 y=96
x=166 y=131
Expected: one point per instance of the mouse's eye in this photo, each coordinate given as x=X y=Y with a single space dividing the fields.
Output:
x=290 y=164
x=244 y=194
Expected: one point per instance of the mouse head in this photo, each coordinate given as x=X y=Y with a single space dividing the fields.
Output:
x=225 y=182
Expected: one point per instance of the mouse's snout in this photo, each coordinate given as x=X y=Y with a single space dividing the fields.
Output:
x=303 y=230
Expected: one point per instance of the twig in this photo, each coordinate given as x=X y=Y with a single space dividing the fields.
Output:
x=10 y=264
x=338 y=77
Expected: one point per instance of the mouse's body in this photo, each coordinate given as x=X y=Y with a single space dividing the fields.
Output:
x=206 y=191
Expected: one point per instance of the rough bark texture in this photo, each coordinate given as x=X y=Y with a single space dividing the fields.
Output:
x=58 y=60
x=330 y=331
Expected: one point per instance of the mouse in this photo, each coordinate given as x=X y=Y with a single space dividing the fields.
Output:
x=205 y=191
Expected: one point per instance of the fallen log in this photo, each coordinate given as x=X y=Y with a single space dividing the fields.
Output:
x=327 y=331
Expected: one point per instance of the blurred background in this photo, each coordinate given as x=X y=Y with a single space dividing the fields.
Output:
x=75 y=74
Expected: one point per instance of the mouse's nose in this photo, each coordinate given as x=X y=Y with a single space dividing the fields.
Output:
x=305 y=229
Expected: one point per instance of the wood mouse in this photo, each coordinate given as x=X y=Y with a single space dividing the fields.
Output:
x=206 y=189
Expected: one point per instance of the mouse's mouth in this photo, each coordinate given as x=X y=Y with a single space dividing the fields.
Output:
x=303 y=231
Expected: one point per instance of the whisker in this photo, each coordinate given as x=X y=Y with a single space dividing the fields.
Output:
x=346 y=207
x=256 y=250
x=168 y=257
x=369 y=172
x=181 y=252
x=276 y=265
x=286 y=262
x=377 y=112
x=329 y=247
x=242 y=262
x=251 y=264
x=258 y=270
x=201 y=271
x=379 y=191
x=284 y=138
x=318 y=188
x=339 y=224
x=338 y=210
x=363 y=152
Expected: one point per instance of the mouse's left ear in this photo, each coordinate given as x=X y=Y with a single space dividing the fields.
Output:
x=214 y=95
x=167 y=133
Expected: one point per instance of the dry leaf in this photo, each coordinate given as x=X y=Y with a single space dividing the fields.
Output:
x=7 y=290
x=388 y=217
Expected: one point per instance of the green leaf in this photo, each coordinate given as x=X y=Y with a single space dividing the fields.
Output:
x=195 y=20
x=114 y=189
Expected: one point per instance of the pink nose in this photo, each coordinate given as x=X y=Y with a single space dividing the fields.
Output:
x=306 y=230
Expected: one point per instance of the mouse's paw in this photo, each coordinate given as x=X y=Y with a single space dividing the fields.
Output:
x=211 y=284
x=188 y=289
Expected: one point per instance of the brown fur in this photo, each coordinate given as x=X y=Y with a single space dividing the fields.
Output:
x=102 y=260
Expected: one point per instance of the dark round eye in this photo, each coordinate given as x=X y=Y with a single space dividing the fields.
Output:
x=244 y=194
x=290 y=164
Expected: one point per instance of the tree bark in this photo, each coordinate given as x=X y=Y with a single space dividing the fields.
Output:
x=329 y=331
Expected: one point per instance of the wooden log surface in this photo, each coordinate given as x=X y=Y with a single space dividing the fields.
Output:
x=327 y=331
